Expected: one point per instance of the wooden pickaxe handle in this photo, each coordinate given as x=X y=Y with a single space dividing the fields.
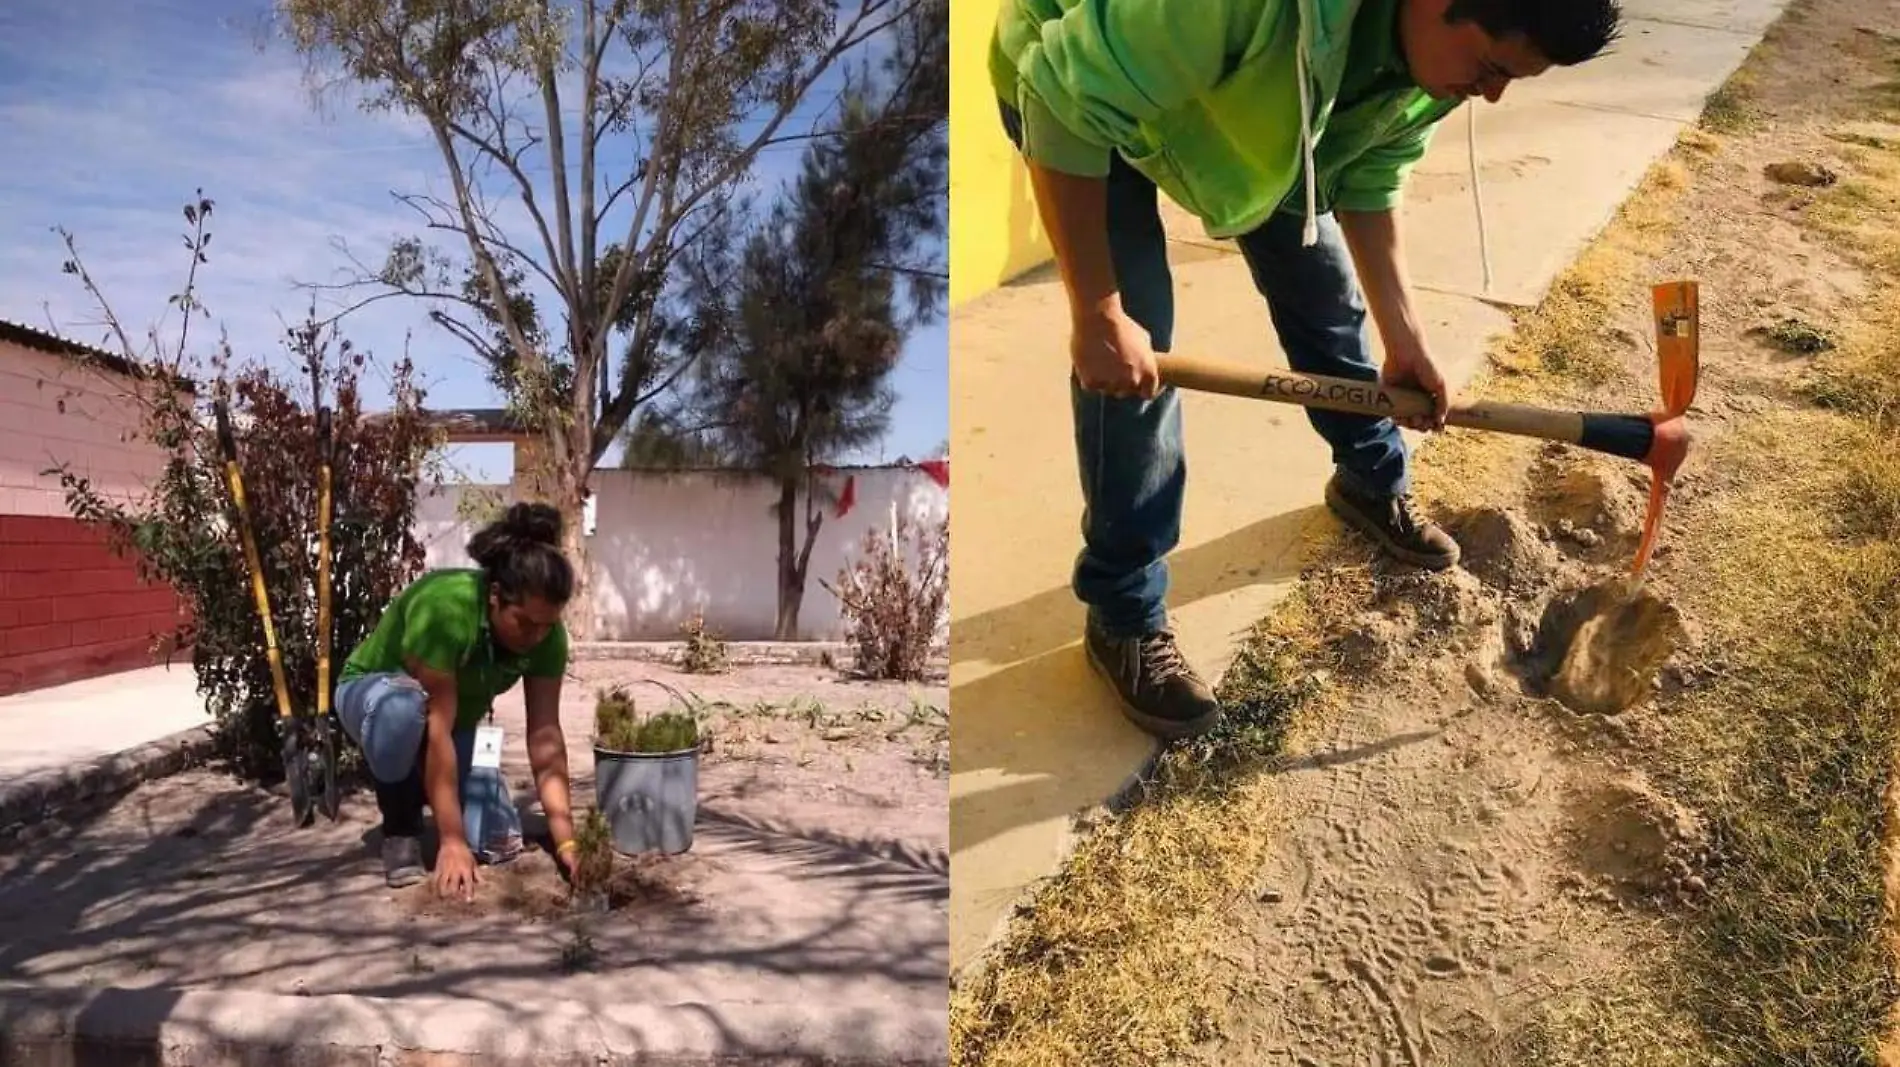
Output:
x=1628 y=436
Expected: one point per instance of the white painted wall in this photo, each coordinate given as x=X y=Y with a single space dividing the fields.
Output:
x=667 y=546
x=54 y=410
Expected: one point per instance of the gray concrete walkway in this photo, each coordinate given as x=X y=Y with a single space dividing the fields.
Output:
x=1038 y=738
x=52 y=729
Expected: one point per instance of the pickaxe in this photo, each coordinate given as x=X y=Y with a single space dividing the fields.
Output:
x=1659 y=439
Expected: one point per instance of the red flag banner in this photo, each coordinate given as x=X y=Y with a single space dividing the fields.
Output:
x=849 y=498
x=938 y=469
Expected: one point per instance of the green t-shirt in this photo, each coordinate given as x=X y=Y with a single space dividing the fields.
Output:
x=442 y=620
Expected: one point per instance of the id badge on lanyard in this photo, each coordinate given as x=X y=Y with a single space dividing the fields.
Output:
x=488 y=736
x=487 y=745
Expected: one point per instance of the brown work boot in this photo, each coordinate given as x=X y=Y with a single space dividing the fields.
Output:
x=1159 y=691
x=1389 y=521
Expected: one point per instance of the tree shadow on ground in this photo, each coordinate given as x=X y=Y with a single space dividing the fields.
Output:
x=200 y=881
x=906 y=869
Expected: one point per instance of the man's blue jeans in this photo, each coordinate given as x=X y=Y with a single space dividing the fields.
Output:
x=387 y=716
x=1129 y=451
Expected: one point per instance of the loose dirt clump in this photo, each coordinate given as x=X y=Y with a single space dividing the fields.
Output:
x=1587 y=502
x=1502 y=549
x=1637 y=845
x=1372 y=644
x=1441 y=603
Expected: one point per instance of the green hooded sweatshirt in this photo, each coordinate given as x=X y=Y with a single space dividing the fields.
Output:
x=1231 y=107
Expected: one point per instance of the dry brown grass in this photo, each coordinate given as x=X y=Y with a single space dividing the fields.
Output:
x=1793 y=571
x=1109 y=967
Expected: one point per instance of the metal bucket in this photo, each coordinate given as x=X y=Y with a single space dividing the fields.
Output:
x=650 y=799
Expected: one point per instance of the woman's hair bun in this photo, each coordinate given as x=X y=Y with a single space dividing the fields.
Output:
x=535 y=522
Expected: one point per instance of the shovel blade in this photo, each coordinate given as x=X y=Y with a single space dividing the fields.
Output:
x=328 y=799
x=297 y=775
x=1677 y=314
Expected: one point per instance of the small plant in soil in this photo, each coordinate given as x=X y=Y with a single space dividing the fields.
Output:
x=579 y=952
x=1800 y=338
x=593 y=856
x=705 y=651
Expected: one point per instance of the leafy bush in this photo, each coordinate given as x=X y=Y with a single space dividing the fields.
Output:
x=183 y=532
x=894 y=609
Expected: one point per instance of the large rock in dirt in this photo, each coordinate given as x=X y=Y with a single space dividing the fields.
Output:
x=1800 y=172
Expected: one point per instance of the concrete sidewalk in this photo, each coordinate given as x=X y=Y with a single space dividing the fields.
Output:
x=1038 y=738
x=102 y=735
x=57 y=727
x=236 y=1028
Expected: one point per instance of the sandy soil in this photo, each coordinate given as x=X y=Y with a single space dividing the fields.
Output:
x=1476 y=833
x=820 y=868
x=1461 y=822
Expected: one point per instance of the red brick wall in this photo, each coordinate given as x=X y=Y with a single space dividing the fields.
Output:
x=69 y=607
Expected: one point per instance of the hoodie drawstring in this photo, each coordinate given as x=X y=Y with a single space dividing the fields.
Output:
x=1310 y=235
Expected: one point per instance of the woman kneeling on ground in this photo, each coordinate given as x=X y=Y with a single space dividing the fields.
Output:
x=415 y=694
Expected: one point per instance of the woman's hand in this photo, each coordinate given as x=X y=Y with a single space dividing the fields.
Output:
x=455 y=872
x=566 y=858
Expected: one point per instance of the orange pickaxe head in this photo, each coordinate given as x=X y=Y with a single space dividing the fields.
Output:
x=1678 y=362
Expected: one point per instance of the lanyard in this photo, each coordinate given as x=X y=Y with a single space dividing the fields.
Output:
x=485 y=642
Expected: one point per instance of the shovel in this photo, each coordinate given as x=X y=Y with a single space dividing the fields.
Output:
x=308 y=747
x=1658 y=439
x=325 y=725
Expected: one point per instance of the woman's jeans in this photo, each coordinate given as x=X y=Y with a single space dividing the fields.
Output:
x=387 y=716
x=1129 y=451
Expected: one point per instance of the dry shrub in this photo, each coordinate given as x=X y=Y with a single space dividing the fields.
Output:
x=895 y=598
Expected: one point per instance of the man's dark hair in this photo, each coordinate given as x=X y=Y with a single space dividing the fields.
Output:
x=1566 y=32
x=521 y=552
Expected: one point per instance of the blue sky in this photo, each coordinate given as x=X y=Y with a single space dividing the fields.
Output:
x=113 y=113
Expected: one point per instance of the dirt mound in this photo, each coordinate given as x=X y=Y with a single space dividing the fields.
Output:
x=1633 y=842
x=1445 y=603
x=532 y=887
x=1598 y=650
x=1372 y=644
x=1502 y=549
x=1588 y=501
